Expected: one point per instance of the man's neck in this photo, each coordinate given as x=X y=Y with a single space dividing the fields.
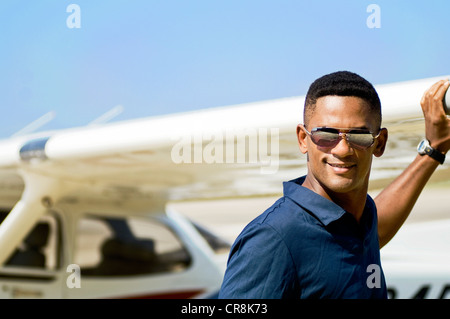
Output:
x=352 y=202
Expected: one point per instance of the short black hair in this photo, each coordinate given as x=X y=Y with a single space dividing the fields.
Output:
x=342 y=83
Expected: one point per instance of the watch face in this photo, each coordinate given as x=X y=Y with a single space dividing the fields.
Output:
x=422 y=146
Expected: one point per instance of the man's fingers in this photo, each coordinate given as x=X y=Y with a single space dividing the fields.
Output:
x=435 y=93
x=439 y=95
x=430 y=92
x=437 y=101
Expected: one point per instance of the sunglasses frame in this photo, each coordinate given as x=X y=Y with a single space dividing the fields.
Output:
x=342 y=134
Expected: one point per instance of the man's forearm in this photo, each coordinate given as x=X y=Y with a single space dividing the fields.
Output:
x=396 y=201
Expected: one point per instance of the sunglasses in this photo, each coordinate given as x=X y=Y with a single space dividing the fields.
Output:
x=328 y=137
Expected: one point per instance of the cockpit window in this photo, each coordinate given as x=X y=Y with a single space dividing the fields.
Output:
x=127 y=246
x=40 y=248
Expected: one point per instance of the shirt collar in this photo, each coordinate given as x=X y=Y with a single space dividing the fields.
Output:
x=320 y=207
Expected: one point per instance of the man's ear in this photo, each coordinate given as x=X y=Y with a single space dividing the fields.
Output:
x=301 y=137
x=381 y=143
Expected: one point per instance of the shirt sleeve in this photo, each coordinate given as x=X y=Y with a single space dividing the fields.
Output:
x=259 y=267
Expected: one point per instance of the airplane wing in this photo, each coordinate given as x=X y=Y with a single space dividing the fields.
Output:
x=242 y=150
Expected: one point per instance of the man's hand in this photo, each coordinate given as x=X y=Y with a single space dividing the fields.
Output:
x=437 y=124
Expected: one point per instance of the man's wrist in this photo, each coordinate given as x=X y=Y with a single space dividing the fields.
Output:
x=425 y=148
x=438 y=146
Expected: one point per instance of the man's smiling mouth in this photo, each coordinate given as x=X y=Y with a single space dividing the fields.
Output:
x=347 y=165
x=341 y=168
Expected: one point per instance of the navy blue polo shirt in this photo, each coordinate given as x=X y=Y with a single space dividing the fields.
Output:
x=306 y=246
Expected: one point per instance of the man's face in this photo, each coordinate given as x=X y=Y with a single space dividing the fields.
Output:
x=342 y=168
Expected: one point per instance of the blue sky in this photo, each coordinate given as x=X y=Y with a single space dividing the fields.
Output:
x=159 y=57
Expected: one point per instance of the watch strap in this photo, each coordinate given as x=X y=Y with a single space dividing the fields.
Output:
x=435 y=154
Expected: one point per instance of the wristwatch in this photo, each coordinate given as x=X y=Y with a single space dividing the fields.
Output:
x=425 y=148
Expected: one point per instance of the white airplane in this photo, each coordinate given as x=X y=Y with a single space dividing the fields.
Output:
x=86 y=210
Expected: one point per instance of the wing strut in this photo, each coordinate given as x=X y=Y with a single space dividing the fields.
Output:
x=39 y=193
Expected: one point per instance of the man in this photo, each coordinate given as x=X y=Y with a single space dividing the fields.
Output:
x=322 y=238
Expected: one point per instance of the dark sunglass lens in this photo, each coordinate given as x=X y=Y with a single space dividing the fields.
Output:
x=364 y=140
x=325 y=138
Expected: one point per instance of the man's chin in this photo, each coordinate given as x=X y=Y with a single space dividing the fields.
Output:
x=340 y=184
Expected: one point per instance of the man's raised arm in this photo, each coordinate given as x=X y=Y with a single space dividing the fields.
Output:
x=396 y=201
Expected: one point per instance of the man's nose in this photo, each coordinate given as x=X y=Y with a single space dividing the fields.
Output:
x=342 y=148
